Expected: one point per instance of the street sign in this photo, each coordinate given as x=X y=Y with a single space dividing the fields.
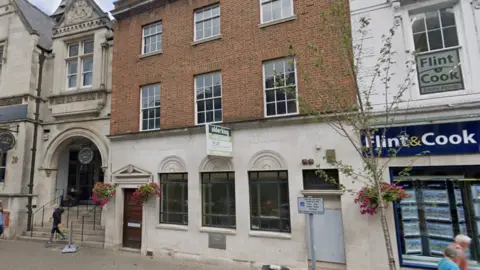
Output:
x=313 y=206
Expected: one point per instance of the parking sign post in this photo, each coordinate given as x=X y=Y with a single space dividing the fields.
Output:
x=311 y=206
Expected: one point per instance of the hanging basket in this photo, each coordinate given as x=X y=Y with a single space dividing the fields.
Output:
x=145 y=192
x=102 y=193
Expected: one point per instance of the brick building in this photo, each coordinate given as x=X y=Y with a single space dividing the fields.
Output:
x=179 y=65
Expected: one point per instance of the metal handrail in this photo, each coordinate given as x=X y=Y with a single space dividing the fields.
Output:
x=94 y=210
x=43 y=213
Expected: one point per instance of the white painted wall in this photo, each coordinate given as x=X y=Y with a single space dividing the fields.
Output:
x=383 y=16
x=292 y=142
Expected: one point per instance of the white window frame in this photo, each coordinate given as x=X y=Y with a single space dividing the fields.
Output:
x=212 y=98
x=79 y=58
x=151 y=107
x=151 y=35
x=264 y=2
x=195 y=21
x=265 y=93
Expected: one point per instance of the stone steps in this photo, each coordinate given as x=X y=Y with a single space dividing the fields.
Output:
x=76 y=230
x=76 y=236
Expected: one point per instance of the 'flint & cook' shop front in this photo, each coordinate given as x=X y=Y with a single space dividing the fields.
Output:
x=444 y=189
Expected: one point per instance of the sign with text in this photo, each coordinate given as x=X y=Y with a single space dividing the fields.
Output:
x=439 y=72
x=219 y=141
x=7 y=141
x=436 y=139
x=313 y=206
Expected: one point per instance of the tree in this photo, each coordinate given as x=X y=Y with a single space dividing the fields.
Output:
x=351 y=112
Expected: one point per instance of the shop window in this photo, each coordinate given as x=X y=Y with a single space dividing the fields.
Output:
x=3 y=166
x=218 y=199
x=174 y=201
x=313 y=179
x=438 y=208
x=269 y=201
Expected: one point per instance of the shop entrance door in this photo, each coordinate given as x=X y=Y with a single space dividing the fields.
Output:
x=132 y=222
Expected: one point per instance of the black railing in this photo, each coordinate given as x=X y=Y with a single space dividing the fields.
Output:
x=56 y=200
x=94 y=210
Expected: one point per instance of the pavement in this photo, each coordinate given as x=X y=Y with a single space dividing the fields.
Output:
x=22 y=255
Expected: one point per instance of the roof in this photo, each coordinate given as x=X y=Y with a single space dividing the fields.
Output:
x=61 y=8
x=36 y=22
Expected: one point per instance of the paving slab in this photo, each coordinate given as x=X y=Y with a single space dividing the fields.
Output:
x=21 y=255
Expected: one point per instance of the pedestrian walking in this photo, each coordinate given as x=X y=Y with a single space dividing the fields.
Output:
x=462 y=242
x=57 y=220
x=451 y=259
x=2 y=221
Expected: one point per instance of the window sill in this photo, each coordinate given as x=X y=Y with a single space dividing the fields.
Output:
x=279 y=21
x=206 y=40
x=281 y=115
x=149 y=54
x=273 y=235
x=218 y=230
x=173 y=227
x=316 y=192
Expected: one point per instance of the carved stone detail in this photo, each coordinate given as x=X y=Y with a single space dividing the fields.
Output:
x=84 y=26
x=172 y=164
x=11 y=101
x=397 y=20
x=212 y=164
x=267 y=160
x=77 y=98
x=81 y=10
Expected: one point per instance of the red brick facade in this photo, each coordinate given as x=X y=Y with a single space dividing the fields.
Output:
x=238 y=55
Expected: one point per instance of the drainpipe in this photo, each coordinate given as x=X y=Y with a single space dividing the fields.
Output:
x=41 y=61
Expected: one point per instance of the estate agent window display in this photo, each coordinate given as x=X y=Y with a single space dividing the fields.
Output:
x=443 y=202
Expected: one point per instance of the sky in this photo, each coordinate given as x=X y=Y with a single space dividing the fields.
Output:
x=49 y=6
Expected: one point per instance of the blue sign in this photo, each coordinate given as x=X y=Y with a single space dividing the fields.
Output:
x=434 y=139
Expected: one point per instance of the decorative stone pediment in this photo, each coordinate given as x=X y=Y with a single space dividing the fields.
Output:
x=267 y=160
x=132 y=174
x=172 y=164
x=212 y=164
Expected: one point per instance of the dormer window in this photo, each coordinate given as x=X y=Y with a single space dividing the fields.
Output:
x=80 y=64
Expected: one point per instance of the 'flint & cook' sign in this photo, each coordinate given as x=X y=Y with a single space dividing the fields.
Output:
x=439 y=72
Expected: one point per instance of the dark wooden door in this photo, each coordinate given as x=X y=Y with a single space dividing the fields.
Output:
x=132 y=222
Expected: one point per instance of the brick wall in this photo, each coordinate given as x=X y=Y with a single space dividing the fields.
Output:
x=238 y=54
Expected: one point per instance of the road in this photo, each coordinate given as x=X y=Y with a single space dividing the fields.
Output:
x=20 y=255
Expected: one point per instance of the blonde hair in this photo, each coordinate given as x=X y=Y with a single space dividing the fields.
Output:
x=461 y=238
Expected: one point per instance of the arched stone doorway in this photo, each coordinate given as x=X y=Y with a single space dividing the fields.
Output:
x=68 y=174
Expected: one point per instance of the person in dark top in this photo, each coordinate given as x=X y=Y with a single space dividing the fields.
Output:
x=57 y=220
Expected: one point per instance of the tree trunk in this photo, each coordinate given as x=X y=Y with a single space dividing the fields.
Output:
x=386 y=231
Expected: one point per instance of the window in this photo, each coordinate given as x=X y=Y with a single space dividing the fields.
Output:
x=443 y=202
x=150 y=107
x=3 y=167
x=207 y=22
x=273 y=10
x=80 y=53
x=315 y=179
x=280 y=87
x=434 y=30
x=152 y=38
x=208 y=89
x=269 y=201
x=174 y=202
x=218 y=199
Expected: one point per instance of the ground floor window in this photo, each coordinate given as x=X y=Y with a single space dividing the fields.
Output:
x=174 y=202
x=269 y=201
x=443 y=202
x=218 y=199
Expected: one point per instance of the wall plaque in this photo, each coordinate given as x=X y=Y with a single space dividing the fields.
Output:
x=217 y=241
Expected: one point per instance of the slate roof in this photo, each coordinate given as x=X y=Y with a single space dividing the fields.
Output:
x=36 y=22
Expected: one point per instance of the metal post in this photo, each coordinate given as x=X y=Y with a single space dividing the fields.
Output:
x=83 y=222
x=70 y=234
x=312 y=242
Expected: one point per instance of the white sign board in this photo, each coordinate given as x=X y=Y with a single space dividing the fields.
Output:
x=219 y=141
x=311 y=206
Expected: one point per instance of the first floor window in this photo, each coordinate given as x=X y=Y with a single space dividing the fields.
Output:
x=208 y=89
x=269 y=201
x=174 y=202
x=80 y=53
x=3 y=166
x=150 y=107
x=434 y=30
x=273 y=10
x=442 y=203
x=72 y=67
x=218 y=199
x=87 y=73
x=152 y=38
x=280 y=87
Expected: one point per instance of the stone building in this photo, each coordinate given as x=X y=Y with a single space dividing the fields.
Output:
x=440 y=115
x=185 y=72
x=74 y=106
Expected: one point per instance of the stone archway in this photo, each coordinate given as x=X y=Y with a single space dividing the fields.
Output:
x=52 y=152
